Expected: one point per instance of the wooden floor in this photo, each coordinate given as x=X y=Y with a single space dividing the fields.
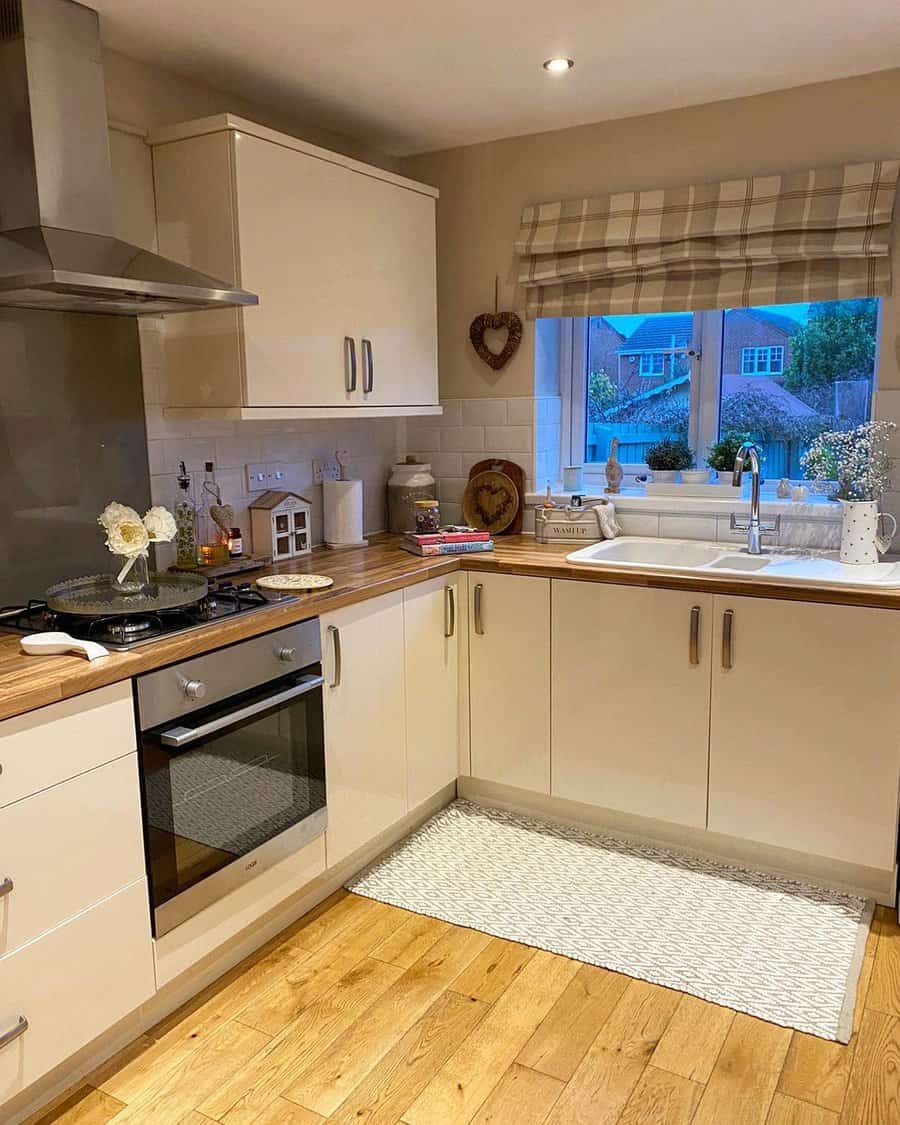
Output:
x=365 y=1013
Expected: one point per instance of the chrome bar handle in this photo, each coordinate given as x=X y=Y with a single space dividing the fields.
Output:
x=694 y=643
x=479 y=620
x=368 y=367
x=335 y=634
x=14 y=1032
x=6 y=886
x=449 y=611
x=349 y=364
x=728 y=639
x=183 y=736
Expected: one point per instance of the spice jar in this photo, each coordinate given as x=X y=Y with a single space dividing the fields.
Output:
x=428 y=516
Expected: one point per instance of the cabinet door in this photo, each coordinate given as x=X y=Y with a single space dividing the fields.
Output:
x=298 y=252
x=630 y=690
x=803 y=732
x=431 y=628
x=72 y=984
x=509 y=679
x=395 y=293
x=365 y=723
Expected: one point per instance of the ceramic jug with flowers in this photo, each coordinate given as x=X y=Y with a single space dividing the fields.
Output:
x=856 y=465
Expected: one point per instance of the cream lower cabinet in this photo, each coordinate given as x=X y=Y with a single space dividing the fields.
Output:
x=342 y=256
x=509 y=679
x=630 y=690
x=803 y=730
x=433 y=617
x=365 y=722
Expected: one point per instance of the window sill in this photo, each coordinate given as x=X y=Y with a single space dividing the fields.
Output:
x=636 y=500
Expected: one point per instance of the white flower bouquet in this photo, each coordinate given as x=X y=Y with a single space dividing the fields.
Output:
x=857 y=460
x=129 y=535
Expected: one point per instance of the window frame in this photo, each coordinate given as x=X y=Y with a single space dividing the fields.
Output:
x=706 y=366
x=753 y=352
x=707 y=339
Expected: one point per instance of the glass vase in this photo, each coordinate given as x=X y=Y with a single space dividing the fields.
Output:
x=132 y=575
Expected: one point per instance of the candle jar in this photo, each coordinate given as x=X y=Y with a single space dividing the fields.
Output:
x=428 y=516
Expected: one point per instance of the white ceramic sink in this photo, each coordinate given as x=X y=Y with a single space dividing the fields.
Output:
x=810 y=567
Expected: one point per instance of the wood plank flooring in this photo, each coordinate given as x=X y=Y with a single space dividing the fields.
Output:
x=364 y=1014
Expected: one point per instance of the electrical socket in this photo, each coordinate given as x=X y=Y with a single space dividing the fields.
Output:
x=324 y=470
x=261 y=477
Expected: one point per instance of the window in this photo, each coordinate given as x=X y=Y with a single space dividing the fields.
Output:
x=762 y=361
x=652 y=363
x=780 y=373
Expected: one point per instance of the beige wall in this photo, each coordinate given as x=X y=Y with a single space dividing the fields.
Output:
x=483 y=188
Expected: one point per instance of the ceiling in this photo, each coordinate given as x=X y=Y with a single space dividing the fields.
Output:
x=407 y=76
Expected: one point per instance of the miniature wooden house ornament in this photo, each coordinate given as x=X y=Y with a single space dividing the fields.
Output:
x=279 y=522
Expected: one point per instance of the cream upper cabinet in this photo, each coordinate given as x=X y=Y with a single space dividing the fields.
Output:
x=365 y=722
x=341 y=254
x=432 y=629
x=630 y=691
x=803 y=731
x=509 y=679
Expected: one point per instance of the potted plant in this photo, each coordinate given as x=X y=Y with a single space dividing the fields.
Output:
x=855 y=466
x=722 y=454
x=667 y=458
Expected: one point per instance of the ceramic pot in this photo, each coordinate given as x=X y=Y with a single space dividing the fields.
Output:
x=695 y=476
x=411 y=480
x=664 y=476
x=861 y=539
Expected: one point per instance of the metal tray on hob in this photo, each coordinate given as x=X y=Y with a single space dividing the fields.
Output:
x=96 y=594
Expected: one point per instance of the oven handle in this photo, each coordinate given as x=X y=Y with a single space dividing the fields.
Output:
x=183 y=736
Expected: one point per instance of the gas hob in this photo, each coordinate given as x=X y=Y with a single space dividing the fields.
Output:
x=122 y=632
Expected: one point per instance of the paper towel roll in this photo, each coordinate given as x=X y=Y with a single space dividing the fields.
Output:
x=343 y=502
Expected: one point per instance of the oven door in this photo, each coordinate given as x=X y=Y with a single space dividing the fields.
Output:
x=229 y=790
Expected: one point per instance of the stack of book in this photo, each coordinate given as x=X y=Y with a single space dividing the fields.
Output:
x=460 y=542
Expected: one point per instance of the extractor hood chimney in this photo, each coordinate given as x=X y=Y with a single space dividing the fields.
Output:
x=57 y=247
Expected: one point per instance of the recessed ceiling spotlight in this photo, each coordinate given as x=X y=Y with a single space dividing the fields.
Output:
x=558 y=66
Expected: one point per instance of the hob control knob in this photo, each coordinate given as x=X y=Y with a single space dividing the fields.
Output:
x=287 y=655
x=194 y=689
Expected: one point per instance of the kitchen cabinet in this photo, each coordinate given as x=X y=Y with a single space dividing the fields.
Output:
x=341 y=254
x=73 y=984
x=432 y=629
x=803 y=727
x=630 y=691
x=509 y=679
x=365 y=722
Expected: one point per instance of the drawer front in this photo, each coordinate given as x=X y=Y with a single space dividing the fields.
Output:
x=72 y=985
x=67 y=848
x=65 y=739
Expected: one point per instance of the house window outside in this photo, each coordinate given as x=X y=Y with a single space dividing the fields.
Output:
x=762 y=361
x=652 y=363
x=780 y=374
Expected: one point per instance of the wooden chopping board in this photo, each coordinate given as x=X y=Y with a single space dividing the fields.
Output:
x=517 y=476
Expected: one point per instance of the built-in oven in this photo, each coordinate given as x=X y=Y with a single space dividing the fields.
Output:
x=232 y=763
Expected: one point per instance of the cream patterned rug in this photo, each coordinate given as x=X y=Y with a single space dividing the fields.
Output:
x=784 y=951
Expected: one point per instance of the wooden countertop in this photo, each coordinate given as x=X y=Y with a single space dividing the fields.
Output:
x=29 y=682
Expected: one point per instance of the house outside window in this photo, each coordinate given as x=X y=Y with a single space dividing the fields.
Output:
x=652 y=363
x=762 y=361
x=812 y=369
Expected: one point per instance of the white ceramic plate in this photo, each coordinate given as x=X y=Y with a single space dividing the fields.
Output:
x=294 y=582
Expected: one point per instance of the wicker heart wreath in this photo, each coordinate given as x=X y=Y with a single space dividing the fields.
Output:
x=497 y=320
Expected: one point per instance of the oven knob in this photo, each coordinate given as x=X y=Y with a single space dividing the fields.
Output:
x=287 y=655
x=194 y=689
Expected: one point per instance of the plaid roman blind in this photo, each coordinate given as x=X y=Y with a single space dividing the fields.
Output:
x=801 y=236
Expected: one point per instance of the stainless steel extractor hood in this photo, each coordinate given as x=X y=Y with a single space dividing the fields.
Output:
x=57 y=247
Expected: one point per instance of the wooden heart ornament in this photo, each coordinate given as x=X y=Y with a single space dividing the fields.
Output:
x=490 y=501
x=498 y=321
x=223 y=515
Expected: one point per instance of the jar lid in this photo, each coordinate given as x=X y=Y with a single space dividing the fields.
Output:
x=426 y=504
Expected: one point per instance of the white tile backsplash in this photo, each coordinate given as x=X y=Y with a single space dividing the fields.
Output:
x=484 y=412
x=673 y=526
